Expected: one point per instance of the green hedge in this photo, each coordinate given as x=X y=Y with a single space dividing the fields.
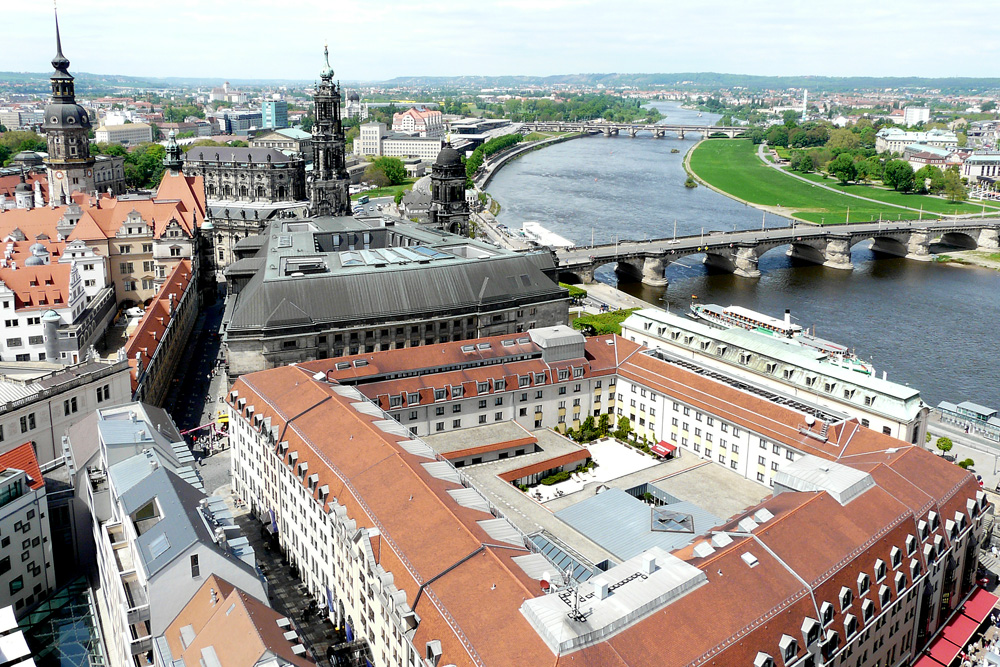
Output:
x=603 y=323
x=492 y=146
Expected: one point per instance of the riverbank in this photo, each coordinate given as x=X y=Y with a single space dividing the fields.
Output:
x=492 y=168
x=733 y=167
x=981 y=258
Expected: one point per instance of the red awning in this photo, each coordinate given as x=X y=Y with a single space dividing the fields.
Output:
x=927 y=661
x=943 y=650
x=960 y=629
x=663 y=448
x=979 y=605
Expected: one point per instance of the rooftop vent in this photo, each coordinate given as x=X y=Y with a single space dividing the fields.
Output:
x=720 y=540
x=750 y=559
x=703 y=550
x=747 y=524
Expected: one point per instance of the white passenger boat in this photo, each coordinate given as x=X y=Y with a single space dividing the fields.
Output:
x=751 y=320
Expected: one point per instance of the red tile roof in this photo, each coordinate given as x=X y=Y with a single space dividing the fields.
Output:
x=23 y=458
x=148 y=336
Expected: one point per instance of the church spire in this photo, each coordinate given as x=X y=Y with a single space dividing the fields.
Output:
x=59 y=62
x=327 y=72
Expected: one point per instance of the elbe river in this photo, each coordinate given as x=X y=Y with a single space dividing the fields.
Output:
x=930 y=326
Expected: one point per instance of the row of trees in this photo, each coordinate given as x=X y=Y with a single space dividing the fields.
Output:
x=576 y=107
x=487 y=149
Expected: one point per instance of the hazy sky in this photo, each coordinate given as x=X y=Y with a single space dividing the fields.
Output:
x=375 y=40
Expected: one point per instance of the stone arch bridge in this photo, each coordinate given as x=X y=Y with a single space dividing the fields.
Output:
x=657 y=130
x=740 y=251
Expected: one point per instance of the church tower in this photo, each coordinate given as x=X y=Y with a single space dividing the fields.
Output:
x=449 y=210
x=330 y=194
x=70 y=165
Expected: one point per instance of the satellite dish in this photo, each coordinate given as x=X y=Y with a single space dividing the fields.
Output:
x=810 y=420
x=546 y=581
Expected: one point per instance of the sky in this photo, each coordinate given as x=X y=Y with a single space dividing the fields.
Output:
x=373 y=40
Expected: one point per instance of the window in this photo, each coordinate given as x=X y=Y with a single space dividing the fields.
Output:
x=456 y=423
x=16 y=584
x=761 y=461
x=175 y=252
x=69 y=406
x=14 y=342
x=562 y=391
x=482 y=419
x=498 y=401
x=498 y=416
x=482 y=404
x=125 y=267
x=439 y=410
x=439 y=426
x=413 y=415
x=5 y=565
x=103 y=393
x=125 y=249
x=27 y=423
x=146 y=247
x=195 y=568
x=457 y=407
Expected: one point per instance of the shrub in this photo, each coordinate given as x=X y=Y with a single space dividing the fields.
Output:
x=556 y=478
x=966 y=463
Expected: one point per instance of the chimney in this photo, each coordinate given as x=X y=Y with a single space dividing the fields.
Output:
x=170 y=306
x=788 y=316
x=215 y=597
x=648 y=564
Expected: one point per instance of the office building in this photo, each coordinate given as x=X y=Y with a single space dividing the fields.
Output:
x=396 y=285
x=130 y=134
x=274 y=114
x=26 y=573
x=154 y=535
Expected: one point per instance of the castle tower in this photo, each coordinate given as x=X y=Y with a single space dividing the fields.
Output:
x=330 y=194
x=24 y=197
x=70 y=165
x=173 y=160
x=449 y=210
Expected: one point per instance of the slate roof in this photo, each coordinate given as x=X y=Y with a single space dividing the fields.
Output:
x=229 y=154
x=373 y=294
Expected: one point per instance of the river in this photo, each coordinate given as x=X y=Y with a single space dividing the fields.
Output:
x=931 y=326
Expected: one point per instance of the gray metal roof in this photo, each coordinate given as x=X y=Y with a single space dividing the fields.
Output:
x=978 y=409
x=811 y=473
x=178 y=528
x=623 y=524
x=378 y=294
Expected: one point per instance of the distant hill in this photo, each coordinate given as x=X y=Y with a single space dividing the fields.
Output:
x=36 y=82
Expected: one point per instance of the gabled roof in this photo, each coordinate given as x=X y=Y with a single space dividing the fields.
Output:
x=23 y=458
x=240 y=630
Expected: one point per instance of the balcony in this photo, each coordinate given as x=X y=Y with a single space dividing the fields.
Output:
x=116 y=534
x=136 y=600
x=141 y=641
x=123 y=559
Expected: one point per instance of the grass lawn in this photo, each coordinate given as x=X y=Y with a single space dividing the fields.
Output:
x=602 y=323
x=388 y=191
x=932 y=204
x=732 y=165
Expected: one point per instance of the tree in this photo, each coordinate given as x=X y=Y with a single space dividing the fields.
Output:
x=843 y=140
x=986 y=107
x=307 y=123
x=927 y=438
x=929 y=178
x=4 y=155
x=603 y=424
x=953 y=187
x=790 y=118
x=944 y=444
x=624 y=428
x=777 y=136
x=393 y=169
x=963 y=139
x=898 y=174
x=801 y=162
x=843 y=168
x=157 y=135
x=375 y=176
x=869 y=170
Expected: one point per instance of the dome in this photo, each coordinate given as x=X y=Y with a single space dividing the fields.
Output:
x=353 y=97
x=61 y=116
x=22 y=186
x=34 y=261
x=51 y=316
x=38 y=249
x=448 y=157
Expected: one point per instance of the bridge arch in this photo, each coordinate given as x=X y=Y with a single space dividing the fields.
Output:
x=963 y=240
x=887 y=245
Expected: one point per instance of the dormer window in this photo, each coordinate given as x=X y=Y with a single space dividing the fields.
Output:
x=810 y=631
x=884 y=594
x=826 y=612
x=789 y=648
x=911 y=545
x=763 y=660
x=850 y=625
x=914 y=569
x=900 y=582
x=922 y=530
x=896 y=557
x=867 y=611
x=864 y=584
x=933 y=520
x=846 y=598
x=879 y=570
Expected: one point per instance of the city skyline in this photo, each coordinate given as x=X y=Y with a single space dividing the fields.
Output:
x=505 y=37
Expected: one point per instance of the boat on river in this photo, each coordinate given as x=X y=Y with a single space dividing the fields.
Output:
x=534 y=232
x=733 y=317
